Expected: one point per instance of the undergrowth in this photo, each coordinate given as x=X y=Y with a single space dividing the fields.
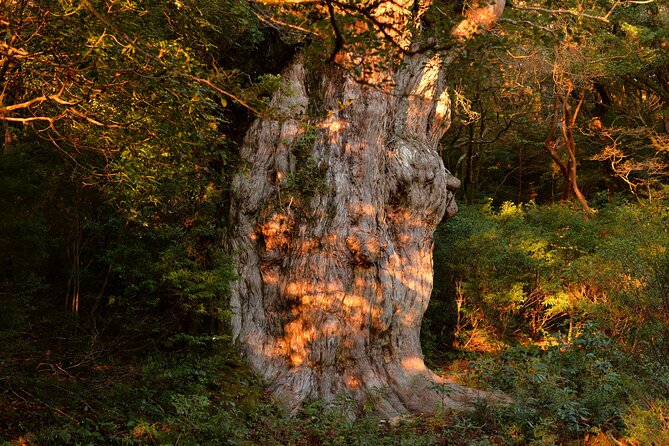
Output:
x=575 y=308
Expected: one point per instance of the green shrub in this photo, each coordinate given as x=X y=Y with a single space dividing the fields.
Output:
x=648 y=423
x=567 y=389
x=522 y=270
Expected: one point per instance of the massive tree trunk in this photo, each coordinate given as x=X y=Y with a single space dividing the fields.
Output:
x=334 y=215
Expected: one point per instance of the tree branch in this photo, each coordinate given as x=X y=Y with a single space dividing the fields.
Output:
x=275 y=23
x=339 y=39
x=602 y=18
x=528 y=22
x=550 y=142
x=133 y=44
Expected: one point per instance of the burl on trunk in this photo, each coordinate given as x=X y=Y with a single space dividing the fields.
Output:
x=333 y=220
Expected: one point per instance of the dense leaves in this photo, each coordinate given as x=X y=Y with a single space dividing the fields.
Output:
x=603 y=65
x=522 y=270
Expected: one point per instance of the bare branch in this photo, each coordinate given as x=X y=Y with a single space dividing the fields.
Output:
x=602 y=18
x=76 y=112
x=275 y=23
x=529 y=23
x=27 y=120
x=385 y=28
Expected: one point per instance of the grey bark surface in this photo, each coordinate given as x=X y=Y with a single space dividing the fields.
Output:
x=334 y=216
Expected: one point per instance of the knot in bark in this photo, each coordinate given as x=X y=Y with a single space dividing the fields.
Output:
x=276 y=231
x=452 y=182
x=365 y=247
x=452 y=185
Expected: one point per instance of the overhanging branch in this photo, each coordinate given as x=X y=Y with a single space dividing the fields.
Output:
x=601 y=18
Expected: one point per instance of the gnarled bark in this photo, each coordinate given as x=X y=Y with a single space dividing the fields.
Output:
x=333 y=219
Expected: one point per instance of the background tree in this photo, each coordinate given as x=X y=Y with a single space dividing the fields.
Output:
x=541 y=54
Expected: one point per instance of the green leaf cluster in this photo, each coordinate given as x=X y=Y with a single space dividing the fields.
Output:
x=522 y=270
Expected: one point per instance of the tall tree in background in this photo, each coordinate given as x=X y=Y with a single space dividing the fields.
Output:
x=576 y=84
x=334 y=214
x=564 y=115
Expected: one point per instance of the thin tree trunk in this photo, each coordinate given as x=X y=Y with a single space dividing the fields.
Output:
x=567 y=120
x=74 y=282
x=568 y=123
x=468 y=167
x=333 y=223
x=551 y=141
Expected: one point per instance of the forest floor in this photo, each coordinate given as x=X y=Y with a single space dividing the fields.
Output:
x=63 y=387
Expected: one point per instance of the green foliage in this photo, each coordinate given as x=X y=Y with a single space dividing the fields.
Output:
x=131 y=212
x=523 y=270
x=119 y=198
x=329 y=424
x=174 y=268
x=649 y=423
x=188 y=398
x=581 y=302
x=510 y=79
x=575 y=386
x=307 y=174
x=572 y=387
